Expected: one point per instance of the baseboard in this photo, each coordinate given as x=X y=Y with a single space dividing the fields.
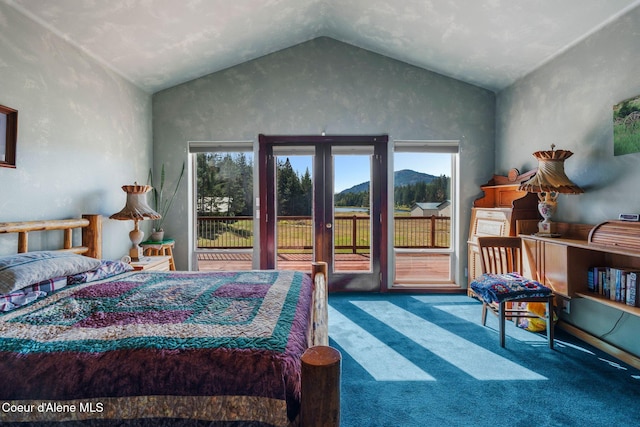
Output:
x=614 y=351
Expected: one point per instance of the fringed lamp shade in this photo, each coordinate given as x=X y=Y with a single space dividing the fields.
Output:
x=550 y=177
x=136 y=209
x=550 y=181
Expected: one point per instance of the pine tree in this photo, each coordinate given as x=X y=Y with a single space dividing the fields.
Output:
x=209 y=183
x=306 y=185
x=246 y=184
x=289 y=190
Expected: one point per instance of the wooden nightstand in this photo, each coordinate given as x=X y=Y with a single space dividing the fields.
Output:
x=165 y=247
x=152 y=263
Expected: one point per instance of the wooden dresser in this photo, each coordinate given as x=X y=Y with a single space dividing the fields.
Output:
x=496 y=213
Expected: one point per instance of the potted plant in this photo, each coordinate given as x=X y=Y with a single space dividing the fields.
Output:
x=162 y=204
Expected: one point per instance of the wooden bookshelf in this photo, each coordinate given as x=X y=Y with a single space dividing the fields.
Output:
x=548 y=258
x=563 y=264
x=600 y=299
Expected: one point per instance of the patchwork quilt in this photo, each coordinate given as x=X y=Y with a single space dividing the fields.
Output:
x=159 y=348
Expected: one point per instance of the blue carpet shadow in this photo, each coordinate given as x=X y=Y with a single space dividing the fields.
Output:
x=425 y=360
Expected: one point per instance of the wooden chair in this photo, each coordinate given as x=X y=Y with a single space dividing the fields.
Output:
x=501 y=288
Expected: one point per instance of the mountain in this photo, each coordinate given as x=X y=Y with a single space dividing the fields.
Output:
x=408 y=177
x=401 y=178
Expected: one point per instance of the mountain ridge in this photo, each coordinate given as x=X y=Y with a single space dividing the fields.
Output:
x=401 y=178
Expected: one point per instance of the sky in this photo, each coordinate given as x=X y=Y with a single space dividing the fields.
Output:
x=352 y=170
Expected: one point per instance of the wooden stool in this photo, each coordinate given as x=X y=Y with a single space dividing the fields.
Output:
x=320 y=391
x=164 y=247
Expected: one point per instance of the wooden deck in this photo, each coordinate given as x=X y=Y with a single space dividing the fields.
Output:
x=411 y=269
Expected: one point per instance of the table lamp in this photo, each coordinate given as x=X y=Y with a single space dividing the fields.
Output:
x=549 y=182
x=136 y=209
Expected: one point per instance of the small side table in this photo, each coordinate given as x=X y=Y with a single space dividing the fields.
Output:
x=152 y=263
x=163 y=248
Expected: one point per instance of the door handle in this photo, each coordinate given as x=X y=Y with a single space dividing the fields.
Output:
x=328 y=225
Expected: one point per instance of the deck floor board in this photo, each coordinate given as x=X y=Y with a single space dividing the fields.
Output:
x=410 y=268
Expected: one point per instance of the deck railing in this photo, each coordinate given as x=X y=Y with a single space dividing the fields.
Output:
x=351 y=232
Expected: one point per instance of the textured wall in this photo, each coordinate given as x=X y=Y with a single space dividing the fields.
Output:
x=325 y=85
x=569 y=102
x=83 y=132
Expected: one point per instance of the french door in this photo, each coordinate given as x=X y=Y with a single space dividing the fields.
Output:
x=352 y=240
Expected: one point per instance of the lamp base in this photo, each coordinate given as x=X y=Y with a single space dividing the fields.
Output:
x=547 y=227
x=136 y=235
x=547 y=206
x=135 y=253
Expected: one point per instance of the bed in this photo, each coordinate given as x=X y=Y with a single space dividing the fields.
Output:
x=119 y=347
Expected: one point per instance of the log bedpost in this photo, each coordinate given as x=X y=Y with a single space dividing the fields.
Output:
x=92 y=236
x=320 y=320
x=23 y=242
x=320 y=390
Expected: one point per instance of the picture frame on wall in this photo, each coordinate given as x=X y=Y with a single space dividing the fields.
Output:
x=8 y=136
x=626 y=126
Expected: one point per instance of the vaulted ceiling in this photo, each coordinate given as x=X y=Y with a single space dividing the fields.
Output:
x=157 y=44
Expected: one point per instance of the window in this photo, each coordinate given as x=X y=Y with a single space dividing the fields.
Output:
x=223 y=205
x=424 y=205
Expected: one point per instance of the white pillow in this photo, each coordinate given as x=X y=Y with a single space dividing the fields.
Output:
x=21 y=270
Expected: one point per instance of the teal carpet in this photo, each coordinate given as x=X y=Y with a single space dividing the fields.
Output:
x=425 y=360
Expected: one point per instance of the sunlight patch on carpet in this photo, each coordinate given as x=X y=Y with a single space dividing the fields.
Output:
x=465 y=355
x=378 y=359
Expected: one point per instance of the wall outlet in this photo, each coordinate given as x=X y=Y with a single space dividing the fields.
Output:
x=566 y=306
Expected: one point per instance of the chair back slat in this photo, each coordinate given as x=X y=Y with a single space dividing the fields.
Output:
x=500 y=254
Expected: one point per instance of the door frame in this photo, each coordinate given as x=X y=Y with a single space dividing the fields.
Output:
x=379 y=199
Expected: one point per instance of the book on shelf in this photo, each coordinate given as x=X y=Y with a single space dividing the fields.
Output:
x=617 y=284
x=632 y=289
x=597 y=280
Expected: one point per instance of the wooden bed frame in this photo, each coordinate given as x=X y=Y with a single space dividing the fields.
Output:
x=320 y=400
x=91 y=226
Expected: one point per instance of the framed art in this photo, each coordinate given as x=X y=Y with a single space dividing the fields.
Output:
x=8 y=136
x=626 y=126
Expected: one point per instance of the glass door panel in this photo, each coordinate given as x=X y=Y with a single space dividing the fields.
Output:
x=294 y=200
x=351 y=211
